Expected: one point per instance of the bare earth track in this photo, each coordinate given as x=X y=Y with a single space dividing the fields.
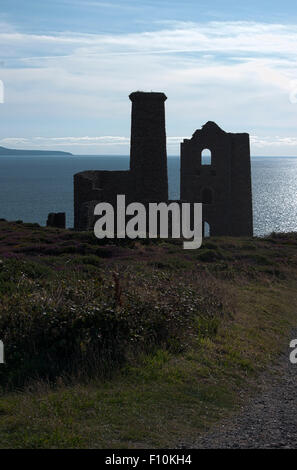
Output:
x=268 y=420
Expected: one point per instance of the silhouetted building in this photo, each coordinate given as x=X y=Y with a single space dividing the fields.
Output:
x=148 y=158
x=146 y=181
x=222 y=182
x=57 y=219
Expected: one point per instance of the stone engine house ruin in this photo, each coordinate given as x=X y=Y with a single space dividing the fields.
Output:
x=222 y=182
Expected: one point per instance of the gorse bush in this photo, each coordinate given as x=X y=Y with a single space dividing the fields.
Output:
x=68 y=324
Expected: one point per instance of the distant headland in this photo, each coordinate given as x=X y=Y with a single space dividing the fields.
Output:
x=5 y=151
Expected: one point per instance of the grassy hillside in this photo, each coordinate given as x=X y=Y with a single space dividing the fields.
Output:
x=135 y=344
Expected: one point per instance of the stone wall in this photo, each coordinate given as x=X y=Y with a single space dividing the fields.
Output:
x=224 y=186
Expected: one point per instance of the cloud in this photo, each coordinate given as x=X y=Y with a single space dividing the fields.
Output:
x=218 y=37
x=84 y=141
x=14 y=141
x=121 y=144
x=99 y=4
x=240 y=74
x=273 y=141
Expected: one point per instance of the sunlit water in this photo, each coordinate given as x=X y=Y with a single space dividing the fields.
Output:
x=31 y=187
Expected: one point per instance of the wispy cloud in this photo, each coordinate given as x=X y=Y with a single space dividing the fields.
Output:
x=273 y=141
x=99 y=4
x=82 y=141
x=121 y=144
x=224 y=37
x=240 y=74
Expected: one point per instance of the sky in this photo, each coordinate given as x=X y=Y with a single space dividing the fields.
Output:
x=68 y=66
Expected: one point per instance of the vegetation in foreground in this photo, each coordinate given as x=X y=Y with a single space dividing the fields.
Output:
x=135 y=344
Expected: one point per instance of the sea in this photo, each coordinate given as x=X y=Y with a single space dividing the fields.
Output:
x=33 y=186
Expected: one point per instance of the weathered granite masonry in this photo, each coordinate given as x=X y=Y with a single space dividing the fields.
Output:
x=148 y=158
x=223 y=185
x=147 y=180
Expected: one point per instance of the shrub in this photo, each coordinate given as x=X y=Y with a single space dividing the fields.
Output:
x=72 y=326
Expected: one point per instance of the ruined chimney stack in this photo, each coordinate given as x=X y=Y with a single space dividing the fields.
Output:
x=148 y=157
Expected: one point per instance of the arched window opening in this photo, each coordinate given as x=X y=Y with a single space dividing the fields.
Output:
x=206 y=157
x=207 y=196
x=206 y=230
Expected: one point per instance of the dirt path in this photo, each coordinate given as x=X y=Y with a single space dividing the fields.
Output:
x=268 y=420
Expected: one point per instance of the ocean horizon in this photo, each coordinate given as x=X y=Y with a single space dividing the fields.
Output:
x=31 y=186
